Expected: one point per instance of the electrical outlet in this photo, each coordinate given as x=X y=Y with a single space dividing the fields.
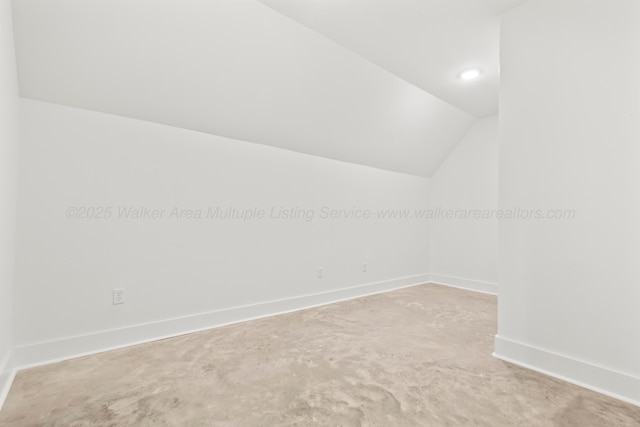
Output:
x=319 y=272
x=118 y=296
x=364 y=267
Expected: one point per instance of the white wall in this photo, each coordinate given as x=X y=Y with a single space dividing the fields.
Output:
x=570 y=132
x=464 y=248
x=8 y=173
x=170 y=268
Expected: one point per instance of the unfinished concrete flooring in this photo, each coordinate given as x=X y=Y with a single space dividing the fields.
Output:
x=418 y=356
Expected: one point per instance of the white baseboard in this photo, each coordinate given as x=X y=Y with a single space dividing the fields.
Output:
x=27 y=356
x=469 y=284
x=603 y=380
x=7 y=374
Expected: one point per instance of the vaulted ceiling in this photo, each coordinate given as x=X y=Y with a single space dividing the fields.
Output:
x=372 y=82
x=426 y=42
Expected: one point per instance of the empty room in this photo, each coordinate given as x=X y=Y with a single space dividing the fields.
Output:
x=375 y=213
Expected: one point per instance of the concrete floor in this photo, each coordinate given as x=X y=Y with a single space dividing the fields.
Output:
x=419 y=356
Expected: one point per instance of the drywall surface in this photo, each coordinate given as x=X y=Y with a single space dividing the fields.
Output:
x=426 y=42
x=189 y=223
x=570 y=102
x=235 y=68
x=9 y=108
x=464 y=202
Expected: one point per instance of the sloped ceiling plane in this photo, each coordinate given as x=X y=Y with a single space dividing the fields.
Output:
x=373 y=82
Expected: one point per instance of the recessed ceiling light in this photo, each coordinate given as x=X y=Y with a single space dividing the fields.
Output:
x=470 y=74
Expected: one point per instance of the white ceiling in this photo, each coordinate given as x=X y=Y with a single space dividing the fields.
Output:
x=240 y=69
x=426 y=42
